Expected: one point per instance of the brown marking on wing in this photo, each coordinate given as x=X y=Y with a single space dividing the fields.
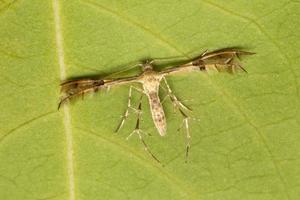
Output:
x=74 y=88
x=221 y=60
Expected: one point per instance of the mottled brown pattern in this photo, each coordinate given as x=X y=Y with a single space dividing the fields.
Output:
x=221 y=60
x=157 y=113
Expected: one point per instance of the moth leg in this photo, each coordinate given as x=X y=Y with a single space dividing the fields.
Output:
x=168 y=96
x=165 y=98
x=185 y=125
x=234 y=65
x=139 y=132
x=176 y=103
x=129 y=106
x=185 y=122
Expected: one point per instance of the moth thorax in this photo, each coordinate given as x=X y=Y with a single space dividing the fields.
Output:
x=147 y=67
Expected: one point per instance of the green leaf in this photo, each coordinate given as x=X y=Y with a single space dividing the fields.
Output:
x=246 y=146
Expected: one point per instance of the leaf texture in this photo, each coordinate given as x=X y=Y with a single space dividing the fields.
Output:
x=245 y=146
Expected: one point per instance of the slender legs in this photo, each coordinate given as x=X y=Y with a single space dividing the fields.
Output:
x=177 y=104
x=125 y=116
x=137 y=129
x=139 y=132
x=185 y=122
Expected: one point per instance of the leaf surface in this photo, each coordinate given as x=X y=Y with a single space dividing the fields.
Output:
x=245 y=146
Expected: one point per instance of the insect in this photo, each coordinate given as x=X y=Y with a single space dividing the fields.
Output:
x=151 y=81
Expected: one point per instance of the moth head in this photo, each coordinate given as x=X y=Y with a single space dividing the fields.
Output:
x=147 y=65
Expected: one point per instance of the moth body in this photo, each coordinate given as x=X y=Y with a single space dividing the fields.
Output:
x=151 y=81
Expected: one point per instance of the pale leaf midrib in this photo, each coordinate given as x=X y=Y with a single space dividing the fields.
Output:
x=66 y=112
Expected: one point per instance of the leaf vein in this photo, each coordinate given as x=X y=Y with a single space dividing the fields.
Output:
x=24 y=124
x=67 y=115
x=174 y=181
x=230 y=101
x=267 y=35
x=136 y=24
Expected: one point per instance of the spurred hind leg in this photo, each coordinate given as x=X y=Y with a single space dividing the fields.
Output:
x=129 y=106
x=139 y=132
